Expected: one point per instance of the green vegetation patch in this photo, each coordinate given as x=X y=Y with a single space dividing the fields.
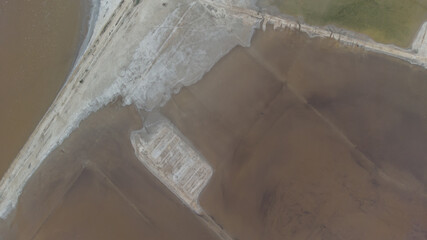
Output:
x=386 y=21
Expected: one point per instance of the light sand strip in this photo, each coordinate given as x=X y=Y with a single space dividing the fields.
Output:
x=417 y=55
x=58 y=122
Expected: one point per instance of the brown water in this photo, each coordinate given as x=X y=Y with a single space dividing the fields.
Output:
x=310 y=141
x=93 y=187
x=39 y=40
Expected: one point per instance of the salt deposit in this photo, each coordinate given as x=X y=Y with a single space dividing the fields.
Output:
x=165 y=48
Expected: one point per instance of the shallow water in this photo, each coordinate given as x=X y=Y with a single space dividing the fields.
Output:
x=310 y=141
x=39 y=40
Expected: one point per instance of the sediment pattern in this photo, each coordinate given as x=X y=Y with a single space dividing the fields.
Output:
x=164 y=48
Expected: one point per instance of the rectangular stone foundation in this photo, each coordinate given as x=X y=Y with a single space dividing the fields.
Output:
x=173 y=161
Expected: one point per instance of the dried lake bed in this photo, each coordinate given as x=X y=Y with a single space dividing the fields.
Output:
x=298 y=132
x=304 y=137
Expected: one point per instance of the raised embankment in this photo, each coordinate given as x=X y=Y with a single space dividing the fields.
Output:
x=60 y=119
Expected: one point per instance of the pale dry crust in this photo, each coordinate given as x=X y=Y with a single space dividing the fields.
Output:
x=420 y=42
x=146 y=67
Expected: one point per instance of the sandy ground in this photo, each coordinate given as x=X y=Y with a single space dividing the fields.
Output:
x=161 y=42
x=167 y=46
x=310 y=141
x=290 y=159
